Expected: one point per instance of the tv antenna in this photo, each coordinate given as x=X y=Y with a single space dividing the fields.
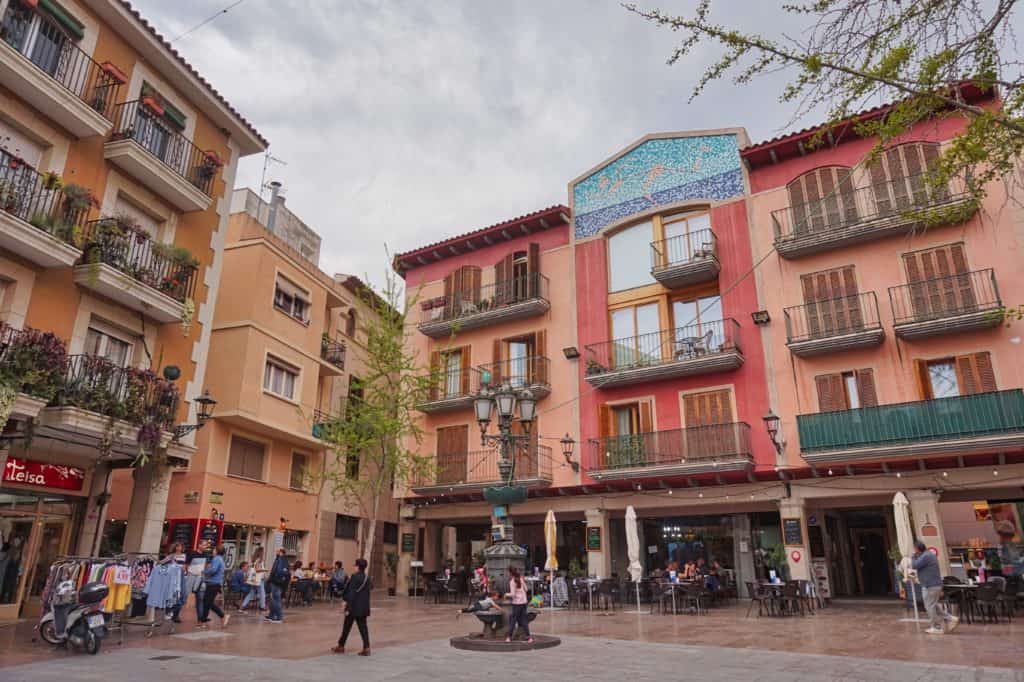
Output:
x=267 y=160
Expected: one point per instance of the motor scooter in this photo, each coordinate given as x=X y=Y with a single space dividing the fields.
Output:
x=75 y=618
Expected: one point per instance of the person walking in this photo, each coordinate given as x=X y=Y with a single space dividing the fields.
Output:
x=357 y=608
x=213 y=582
x=520 y=603
x=279 y=580
x=927 y=567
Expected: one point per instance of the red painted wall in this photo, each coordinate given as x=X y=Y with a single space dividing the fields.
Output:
x=729 y=221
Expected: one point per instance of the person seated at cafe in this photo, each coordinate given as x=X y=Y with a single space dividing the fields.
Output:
x=237 y=582
x=338 y=579
x=254 y=581
x=701 y=567
x=689 y=571
x=672 y=566
x=712 y=579
x=302 y=583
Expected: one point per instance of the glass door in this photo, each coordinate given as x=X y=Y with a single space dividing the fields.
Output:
x=519 y=364
x=14 y=563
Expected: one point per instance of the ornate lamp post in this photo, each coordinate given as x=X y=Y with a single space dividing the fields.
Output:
x=503 y=402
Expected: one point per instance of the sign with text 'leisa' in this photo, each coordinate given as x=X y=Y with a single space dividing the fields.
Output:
x=43 y=475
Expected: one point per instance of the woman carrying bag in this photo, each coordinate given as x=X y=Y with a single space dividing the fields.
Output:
x=357 y=608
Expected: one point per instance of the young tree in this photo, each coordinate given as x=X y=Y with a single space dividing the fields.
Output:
x=845 y=56
x=367 y=445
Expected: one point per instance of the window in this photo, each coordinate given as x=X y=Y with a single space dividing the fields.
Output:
x=355 y=388
x=629 y=259
x=126 y=209
x=280 y=379
x=346 y=527
x=687 y=236
x=513 y=275
x=832 y=304
x=352 y=464
x=635 y=330
x=350 y=323
x=292 y=542
x=300 y=469
x=898 y=177
x=161 y=133
x=291 y=300
x=22 y=146
x=940 y=283
x=952 y=377
x=627 y=419
x=100 y=343
x=452 y=449
x=38 y=37
x=846 y=390
x=390 y=533
x=698 y=316
x=462 y=290
x=452 y=371
x=245 y=458
x=622 y=429
x=822 y=199
x=708 y=422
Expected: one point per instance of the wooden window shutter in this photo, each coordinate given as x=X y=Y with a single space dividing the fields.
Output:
x=866 y=388
x=646 y=417
x=436 y=373
x=532 y=287
x=975 y=373
x=539 y=369
x=466 y=368
x=605 y=423
x=449 y=288
x=497 y=367
x=924 y=382
x=939 y=280
x=500 y=270
x=830 y=392
x=880 y=187
x=468 y=283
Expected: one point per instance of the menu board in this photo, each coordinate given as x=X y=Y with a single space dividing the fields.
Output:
x=593 y=538
x=408 y=542
x=792 y=532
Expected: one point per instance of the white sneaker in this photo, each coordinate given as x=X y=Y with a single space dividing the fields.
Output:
x=934 y=631
x=953 y=622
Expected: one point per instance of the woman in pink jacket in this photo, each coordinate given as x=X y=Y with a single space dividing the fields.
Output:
x=520 y=616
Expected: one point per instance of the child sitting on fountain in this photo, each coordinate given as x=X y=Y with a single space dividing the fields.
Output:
x=488 y=603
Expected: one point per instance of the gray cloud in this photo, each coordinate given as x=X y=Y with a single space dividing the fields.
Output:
x=405 y=122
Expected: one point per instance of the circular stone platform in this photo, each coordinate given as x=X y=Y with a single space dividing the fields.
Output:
x=477 y=642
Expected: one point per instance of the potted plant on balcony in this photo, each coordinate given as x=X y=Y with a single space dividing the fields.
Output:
x=51 y=180
x=153 y=104
x=595 y=367
x=33 y=362
x=391 y=568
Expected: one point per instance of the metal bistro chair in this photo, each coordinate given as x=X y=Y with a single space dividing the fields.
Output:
x=762 y=597
x=696 y=598
x=608 y=594
x=662 y=596
x=987 y=601
x=791 y=601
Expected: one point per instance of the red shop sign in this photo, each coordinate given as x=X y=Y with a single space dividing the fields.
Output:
x=43 y=475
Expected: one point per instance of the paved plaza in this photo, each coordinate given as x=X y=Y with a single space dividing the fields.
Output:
x=848 y=641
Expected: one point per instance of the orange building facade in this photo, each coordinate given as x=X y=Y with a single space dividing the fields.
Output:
x=117 y=159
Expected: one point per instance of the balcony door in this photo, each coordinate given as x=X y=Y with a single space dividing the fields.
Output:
x=698 y=326
x=527 y=461
x=940 y=282
x=708 y=419
x=831 y=302
x=956 y=376
x=822 y=199
x=637 y=338
x=520 y=360
x=515 y=276
x=627 y=434
x=899 y=178
x=687 y=237
x=452 y=450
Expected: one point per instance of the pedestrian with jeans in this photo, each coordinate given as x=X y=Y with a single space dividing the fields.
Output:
x=927 y=567
x=280 y=577
x=213 y=583
x=520 y=606
x=357 y=608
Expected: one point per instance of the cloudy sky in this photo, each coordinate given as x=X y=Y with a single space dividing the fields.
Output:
x=403 y=122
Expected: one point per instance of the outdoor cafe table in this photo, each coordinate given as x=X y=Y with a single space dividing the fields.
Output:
x=591 y=583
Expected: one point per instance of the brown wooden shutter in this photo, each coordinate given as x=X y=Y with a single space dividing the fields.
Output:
x=939 y=281
x=605 y=421
x=437 y=375
x=540 y=360
x=924 y=383
x=497 y=368
x=975 y=373
x=532 y=284
x=466 y=368
x=866 y=388
x=880 y=187
x=646 y=418
x=452 y=448
x=449 y=287
x=831 y=396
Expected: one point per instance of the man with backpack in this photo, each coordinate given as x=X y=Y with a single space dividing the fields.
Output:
x=280 y=577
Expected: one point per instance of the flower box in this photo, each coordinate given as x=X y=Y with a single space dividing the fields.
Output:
x=153 y=105
x=211 y=157
x=115 y=73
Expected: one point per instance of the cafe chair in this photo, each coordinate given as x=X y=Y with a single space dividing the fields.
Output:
x=696 y=598
x=760 y=596
x=986 y=598
x=790 y=600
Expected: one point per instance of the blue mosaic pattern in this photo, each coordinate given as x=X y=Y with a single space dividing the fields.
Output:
x=658 y=172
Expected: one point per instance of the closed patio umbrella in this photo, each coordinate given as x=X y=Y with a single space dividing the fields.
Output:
x=551 y=539
x=905 y=541
x=633 y=550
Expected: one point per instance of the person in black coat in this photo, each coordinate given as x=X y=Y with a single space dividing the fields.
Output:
x=357 y=608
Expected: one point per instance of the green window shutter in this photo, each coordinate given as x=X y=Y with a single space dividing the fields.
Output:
x=62 y=17
x=174 y=116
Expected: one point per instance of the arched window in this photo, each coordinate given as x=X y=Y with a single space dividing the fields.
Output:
x=898 y=177
x=350 y=323
x=822 y=199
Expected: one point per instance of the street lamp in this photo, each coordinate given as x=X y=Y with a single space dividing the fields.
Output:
x=204 y=410
x=771 y=424
x=568 y=444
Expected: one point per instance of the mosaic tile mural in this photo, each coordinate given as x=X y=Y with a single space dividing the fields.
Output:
x=661 y=171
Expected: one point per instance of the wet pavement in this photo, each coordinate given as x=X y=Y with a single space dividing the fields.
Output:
x=848 y=636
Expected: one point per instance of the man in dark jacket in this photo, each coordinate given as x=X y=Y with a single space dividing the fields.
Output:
x=357 y=608
x=279 y=579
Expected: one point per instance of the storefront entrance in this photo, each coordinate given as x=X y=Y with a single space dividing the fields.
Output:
x=34 y=530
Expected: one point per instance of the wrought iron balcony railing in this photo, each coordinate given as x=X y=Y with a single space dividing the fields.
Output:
x=319 y=419
x=945 y=297
x=685 y=248
x=710 y=445
x=491 y=298
x=479 y=468
x=42 y=201
x=664 y=347
x=979 y=415
x=60 y=59
x=453 y=384
x=522 y=372
x=130 y=250
x=135 y=121
x=135 y=395
x=333 y=352
x=832 y=317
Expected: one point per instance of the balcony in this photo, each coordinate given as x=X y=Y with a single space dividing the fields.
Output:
x=31 y=362
x=160 y=157
x=123 y=263
x=100 y=402
x=985 y=422
x=531 y=372
x=686 y=259
x=687 y=351
x=454 y=390
x=890 y=208
x=332 y=356
x=946 y=305
x=515 y=299
x=319 y=420
x=678 y=452
x=56 y=77
x=834 y=325
x=475 y=471
x=40 y=219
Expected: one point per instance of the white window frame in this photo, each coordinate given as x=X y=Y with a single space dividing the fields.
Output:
x=106 y=332
x=296 y=293
x=270 y=365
